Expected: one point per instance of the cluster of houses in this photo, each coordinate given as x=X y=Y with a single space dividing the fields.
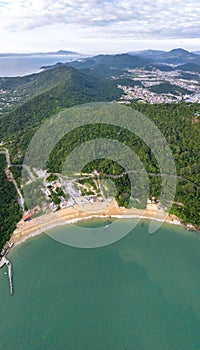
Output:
x=63 y=203
x=149 y=78
x=53 y=186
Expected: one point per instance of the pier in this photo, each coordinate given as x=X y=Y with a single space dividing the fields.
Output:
x=5 y=261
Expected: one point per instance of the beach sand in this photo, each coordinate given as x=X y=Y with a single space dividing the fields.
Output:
x=36 y=226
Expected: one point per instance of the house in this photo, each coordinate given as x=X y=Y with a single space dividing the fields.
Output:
x=53 y=207
x=63 y=204
x=27 y=217
x=48 y=193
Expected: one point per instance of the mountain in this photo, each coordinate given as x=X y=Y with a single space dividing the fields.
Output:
x=175 y=56
x=120 y=61
x=189 y=67
x=109 y=65
x=178 y=56
x=150 y=55
x=47 y=93
x=62 y=86
x=109 y=62
x=51 y=53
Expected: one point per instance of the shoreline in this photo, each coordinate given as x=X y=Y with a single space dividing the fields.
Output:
x=37 y=226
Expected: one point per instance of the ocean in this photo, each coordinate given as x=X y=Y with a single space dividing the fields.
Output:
x=22 y=65
x=140 y=293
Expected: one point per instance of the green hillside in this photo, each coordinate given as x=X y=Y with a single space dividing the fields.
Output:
x=51 y=91
x=168 y=88
x=104 y=66
x=176 y=122
x=9 y=209
x=45 y=94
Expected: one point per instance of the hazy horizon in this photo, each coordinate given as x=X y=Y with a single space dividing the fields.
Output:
x=71 y=52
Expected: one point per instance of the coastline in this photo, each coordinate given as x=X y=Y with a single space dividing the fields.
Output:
x=37 y=226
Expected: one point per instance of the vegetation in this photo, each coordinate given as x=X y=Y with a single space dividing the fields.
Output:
x=17 y=174
x=9 y=209
x=175 y=121
x=43 y=95
x=167 y=88
x=52 y=177
x=55 y=198
x=69 y=87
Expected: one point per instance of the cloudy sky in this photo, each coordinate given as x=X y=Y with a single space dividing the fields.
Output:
x=92 y=26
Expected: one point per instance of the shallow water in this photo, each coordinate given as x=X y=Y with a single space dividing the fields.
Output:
x=142 y=292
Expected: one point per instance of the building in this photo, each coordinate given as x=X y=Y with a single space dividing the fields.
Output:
x=27 y=217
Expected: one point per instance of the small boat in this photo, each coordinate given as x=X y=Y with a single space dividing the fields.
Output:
x=5 y=273
x=106 y=227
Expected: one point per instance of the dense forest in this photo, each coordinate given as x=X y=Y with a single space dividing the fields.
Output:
x=55 y=90
x=181 y=128
x=9 y=209
x=47 y=96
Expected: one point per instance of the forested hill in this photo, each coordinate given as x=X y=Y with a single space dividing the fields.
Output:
x=49 y=92
x=114 y=62
x=35 y=84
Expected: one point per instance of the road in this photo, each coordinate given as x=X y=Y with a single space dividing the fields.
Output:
x=21 y=199
x=148 y=173
x=152 y=174
x=30 y=174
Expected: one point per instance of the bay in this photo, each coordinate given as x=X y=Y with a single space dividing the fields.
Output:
x=23 y=65
x=142 y=292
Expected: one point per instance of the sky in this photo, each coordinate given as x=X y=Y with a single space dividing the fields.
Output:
x=94 y=26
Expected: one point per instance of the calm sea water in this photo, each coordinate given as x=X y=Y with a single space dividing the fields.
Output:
x=141 y=293
x=23 y=65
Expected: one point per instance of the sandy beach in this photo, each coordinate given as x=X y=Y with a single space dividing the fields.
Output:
x=36 y=226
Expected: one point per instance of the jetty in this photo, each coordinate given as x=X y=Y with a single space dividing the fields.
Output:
x=5 y=261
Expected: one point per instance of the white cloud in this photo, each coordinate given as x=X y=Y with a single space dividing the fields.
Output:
x=111 y=19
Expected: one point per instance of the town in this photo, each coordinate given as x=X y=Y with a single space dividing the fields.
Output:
x=9 y=100
x=159 y=86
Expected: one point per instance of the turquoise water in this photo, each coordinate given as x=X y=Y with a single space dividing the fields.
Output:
x=142 y=292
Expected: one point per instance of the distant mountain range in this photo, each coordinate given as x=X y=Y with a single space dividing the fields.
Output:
x=135 y=59
x=108 y=65
x=174 y=57
x=83 y=80
x=51 y=53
